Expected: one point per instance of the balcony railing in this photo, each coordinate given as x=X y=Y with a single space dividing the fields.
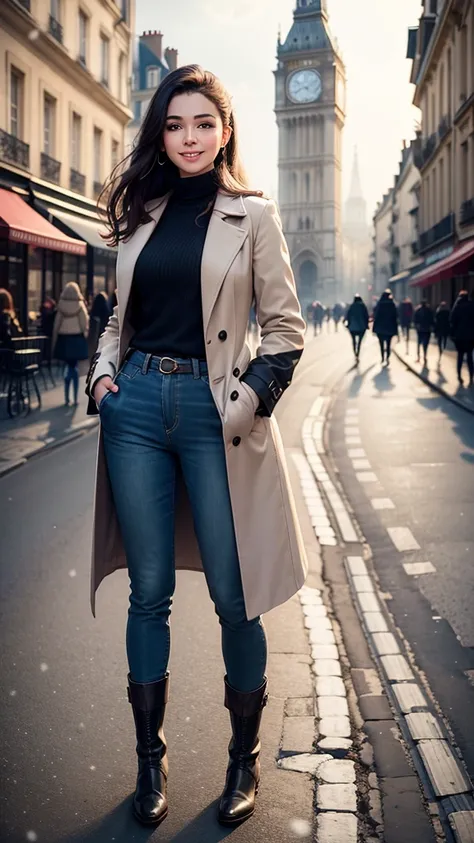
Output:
x=14 y=150
x=97 y=188
x=26 y=4
x=77 y=181
x=50 y=168
x=55 y=29
x=467 y=212
x=443 y=230
x=444 y=126
x=415 y=249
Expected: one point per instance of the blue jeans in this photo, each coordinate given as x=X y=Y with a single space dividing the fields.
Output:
x=154 y=424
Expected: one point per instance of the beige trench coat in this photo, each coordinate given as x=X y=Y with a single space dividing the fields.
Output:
x=244 y=251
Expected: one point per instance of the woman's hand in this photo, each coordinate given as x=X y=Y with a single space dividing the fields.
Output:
x=102 y=387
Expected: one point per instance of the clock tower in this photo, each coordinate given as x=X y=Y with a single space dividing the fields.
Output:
x=310 y=111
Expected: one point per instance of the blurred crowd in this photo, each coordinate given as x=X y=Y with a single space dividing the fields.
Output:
x=390 y=319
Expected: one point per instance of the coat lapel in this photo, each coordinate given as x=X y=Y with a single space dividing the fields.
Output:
x=224 y=240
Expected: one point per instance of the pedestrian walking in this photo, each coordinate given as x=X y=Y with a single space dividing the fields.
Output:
x=69 y=342
x=462 y=332
x=441 y=326
x=385 y=323
x=319 y=313
x=337 y=314
x=191 y=470
x=357 y=322
x=424 y=324
x=405 y=316
x=100 y=314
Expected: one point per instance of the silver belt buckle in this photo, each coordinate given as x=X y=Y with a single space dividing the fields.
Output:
x=174 y=366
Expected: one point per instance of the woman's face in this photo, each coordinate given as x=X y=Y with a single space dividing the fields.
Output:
x=193 y=134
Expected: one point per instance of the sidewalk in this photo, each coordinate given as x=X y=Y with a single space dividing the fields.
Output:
x=441 y=377
x=23 y=437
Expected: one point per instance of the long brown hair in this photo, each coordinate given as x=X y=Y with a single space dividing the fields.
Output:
x=138 y=178
x=6 y=302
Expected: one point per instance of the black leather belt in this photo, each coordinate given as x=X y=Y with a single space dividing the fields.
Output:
x=165 y=365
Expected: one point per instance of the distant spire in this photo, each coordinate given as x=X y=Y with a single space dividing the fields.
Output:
x=356 y=187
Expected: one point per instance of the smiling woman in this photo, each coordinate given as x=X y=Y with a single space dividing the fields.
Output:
x=189 y=129
x=191 y=470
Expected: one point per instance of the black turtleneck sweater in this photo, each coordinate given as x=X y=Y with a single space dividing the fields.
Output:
x=166 y=306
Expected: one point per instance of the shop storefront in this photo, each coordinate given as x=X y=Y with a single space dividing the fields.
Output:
x=31 y=255
x=442 y=280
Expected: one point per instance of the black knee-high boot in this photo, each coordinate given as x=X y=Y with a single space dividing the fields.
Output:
x=148 y=701
x=237 y=802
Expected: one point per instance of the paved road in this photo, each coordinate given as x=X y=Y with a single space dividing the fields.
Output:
x=420 y=448
x=68 y=760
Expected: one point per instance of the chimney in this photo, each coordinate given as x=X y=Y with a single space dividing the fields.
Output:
x=171 y=57
x=153 y=41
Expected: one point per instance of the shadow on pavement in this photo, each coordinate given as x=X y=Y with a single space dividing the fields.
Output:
x=121 y=827
x=460 y=418
x=358 y=380
x=382 y=381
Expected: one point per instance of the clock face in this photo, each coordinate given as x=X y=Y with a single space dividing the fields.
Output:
x=305 y=86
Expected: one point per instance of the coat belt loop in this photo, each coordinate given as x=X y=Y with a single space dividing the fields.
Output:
x=146 y=363
x=196 y=370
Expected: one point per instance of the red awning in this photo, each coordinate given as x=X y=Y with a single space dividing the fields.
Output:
x=456 y=262
x=21 y=223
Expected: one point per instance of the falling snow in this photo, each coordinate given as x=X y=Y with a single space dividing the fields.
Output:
x=43 y=667
x=73 y=572
x=301 y=828
x=92 y=767
x=13 y=693
x=31 y=835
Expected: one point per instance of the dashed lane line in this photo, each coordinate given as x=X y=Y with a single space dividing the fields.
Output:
x=403 y=539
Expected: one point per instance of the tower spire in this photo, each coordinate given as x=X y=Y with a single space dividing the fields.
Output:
x=356 y=187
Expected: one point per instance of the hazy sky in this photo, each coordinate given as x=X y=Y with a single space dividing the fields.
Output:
x=236 y=39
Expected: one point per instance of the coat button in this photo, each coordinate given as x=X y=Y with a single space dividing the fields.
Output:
x=236 y=440
x=222 y=335
x=234 y=395
x=236 y=373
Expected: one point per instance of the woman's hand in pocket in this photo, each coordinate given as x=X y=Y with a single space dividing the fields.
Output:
x=102 y=387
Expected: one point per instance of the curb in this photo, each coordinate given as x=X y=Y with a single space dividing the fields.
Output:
x=444 y=780
x=75 y=433
x=435 y=387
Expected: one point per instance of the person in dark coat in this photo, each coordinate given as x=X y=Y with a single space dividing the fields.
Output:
x=385 y=323
x=462 y=332
x=357 y=322
x=441 y=321
x=9 y=325
x=405 y=315
x=424 y=324
x=318 y=317
x=99 y=316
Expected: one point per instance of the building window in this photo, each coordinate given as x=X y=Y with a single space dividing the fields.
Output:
x=76 y=133
x=114 y=153
x=97 y=154
x=464 y=80
x=143 y=107
x=49 y=125
x=17 y=97
x=152 y=77
x=465 y=171
x=104 y=60
x=441 y=190
x=83 y=22
x=450 y=82
x=124 y=9
x=121 y=77
x=433 y=7
x=55 y=28
x=307 y=185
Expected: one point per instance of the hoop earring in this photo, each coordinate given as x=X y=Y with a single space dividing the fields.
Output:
x=155 y=160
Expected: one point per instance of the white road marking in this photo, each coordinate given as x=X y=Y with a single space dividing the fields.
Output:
x=366 y=477
x=352 y=412
x=351 y=431
x=357 y=566
x=353 y=440
x=356 y=453
x=382 y=503
x=403 y=538
x=361 y=465
x=416 y=569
